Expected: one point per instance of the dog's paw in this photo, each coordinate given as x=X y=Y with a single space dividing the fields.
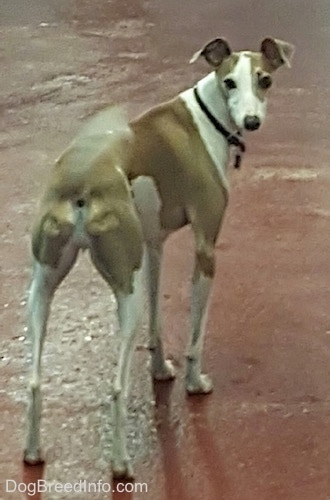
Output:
x=165 y=372
x=33 y=458
x=199 y=385
x=123 y=470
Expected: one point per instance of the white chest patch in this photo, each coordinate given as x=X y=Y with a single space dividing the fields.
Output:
x=215 y=144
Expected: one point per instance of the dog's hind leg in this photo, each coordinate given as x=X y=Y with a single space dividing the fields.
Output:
x=130 y=306
x=116 y=251
x=129 y=312
x=162 y=369
x=46 y=278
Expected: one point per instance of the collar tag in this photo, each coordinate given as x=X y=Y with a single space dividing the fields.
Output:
x=238 y=160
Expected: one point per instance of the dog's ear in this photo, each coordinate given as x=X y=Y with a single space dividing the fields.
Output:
x=277 y=52
x=214 y=52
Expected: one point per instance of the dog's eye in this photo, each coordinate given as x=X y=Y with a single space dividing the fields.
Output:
x=230 y=84
x=265 y=82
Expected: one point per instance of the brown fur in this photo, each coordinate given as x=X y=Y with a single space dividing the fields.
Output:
x=90 y=171
x=168 y=148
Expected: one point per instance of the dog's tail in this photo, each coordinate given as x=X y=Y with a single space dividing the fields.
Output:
x=112 y=119
x=105 y=137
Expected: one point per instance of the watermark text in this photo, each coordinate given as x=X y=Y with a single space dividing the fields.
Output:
x=82 y=486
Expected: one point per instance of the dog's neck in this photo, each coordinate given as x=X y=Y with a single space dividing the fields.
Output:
x=215 y=142
x=214 y=99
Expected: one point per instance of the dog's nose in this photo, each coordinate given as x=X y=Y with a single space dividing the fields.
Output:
x=251 y=122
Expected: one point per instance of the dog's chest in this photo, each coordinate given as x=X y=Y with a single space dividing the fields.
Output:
x=215 y=144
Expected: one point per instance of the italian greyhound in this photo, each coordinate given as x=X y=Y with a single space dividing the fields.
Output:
x=122 y=187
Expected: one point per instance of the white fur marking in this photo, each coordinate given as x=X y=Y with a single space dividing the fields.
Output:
x=215 y=144
x=242 y=101
x=148 y=205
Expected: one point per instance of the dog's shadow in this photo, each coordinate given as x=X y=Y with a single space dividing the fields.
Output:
x=205 y=452
x=174 y=481
x=122 y=493
x=209 y=453
x=31 y=475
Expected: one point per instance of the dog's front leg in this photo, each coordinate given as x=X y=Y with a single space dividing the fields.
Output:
x=129 y=312
x=196 y=382
x=206 y=214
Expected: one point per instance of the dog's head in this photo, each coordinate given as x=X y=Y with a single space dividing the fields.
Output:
x=245 y=77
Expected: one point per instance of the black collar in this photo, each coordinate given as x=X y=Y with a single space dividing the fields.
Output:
x=232 y=139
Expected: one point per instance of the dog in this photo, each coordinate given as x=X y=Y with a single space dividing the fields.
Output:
x=122 y=187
